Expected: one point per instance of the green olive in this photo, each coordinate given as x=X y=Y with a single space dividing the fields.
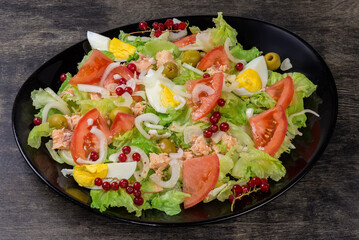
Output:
x=57 y=121
x=167 y=146
x=119 y=110
x=272 y=60
x=170 y=70
x=191 y=57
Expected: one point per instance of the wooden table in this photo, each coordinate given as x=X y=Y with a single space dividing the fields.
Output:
x=323 y=205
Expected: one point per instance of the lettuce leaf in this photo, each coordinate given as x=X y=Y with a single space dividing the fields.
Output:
x=181 y=115
x=155 y=46
x=65 y=83
x=169 y=202
x=248 y=55
x=35 y=135
x=138 y=42
x=225 y=166
x=222 y=31
x=40 y=98
x=185 y=75
x=260 y=102
x=105 y=106
x=234 y=109
x=53 y=152
x=257 y=163
x=241 y=135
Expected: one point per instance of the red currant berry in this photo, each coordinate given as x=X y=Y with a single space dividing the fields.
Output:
x=123 y=183
x=106 y=186
x=239 y=66
x=207 y=133
x=94 y=156
x=231 y=198
x=143 y=26
x=98 y=181
x=120 y=91
x=256 y=181
x=213 y=119
x=217 y=114
x=129 y=189
x=213 y=128
x=175 y=26
x=137 y=74
x=132 y=67
x=138 y=201
x=122 y=81
x=155 y=25
x=137 y=193
x=161 y=27
x=224 y=127
x=169 y=23
x=182 y=26
x=250 y=184
x=264 y=180
x=63 y=77
x=221 y=102
x=126 y=149
x=264 y=187
x=237 y=190
x=115 y=185
x=37 y=121
x=158 y=33
x=136 y=157
x=206 y=75
x=245 y=188
x=129 y=90
x=122 y=157
x=137 y=185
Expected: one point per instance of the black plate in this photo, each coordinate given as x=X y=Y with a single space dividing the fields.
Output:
x=264 y=36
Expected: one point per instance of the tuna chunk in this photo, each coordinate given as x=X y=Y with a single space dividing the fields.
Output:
x=72 y=121
x=229 y=140
x=138 y=109
x=159 y=162
x=144 y=63
x=61 y=139
x=200 y=146
x=163 y=57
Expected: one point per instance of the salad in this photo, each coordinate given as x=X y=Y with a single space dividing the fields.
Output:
x=172 y=115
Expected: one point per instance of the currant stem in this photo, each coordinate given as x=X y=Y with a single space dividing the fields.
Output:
x=241 y=196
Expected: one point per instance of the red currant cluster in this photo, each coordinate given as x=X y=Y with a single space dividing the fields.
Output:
x=158 y=28
x=119 y=90
x=125 y=151
x=214 y=119
x=135 y=189
x=254 y=185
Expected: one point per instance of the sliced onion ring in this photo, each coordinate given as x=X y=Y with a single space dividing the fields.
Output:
x=191 y=131
x=109 y=68
x=148 y=117
x=176 y=171
x=230 y=56
x=128 y=100
x=198 y=89
x=57 y=105
x=217 y=137
x=177 y=155
x=290 y=119
x=143 y=164
x=196 y=70
x=95 y=89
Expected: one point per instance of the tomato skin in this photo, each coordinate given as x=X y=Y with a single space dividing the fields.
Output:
x=91 y=71
x=282 y=91
x=269 y=129
x=123 y=122
x=217 y=56
x=191 y=39
x=200 y=176
x=209 y=102
x=123 y=71
x=82 y=132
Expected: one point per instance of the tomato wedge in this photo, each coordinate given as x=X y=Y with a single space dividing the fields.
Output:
x=83 y=139
x=282 y=91
x=91 y=71
x=217 y=56
x=123 y=122
x=200 y=176
x=207 y=103
x=269 y=129
x=123 y=71
x=191 y=39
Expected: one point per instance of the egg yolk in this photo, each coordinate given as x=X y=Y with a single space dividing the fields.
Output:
x=85 y=175
x=250 y=80
x=121 y=50
x=167 y=97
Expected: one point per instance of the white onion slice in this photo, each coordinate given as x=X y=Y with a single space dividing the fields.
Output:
x=286 y=65
x=57 y=105
x=176 y=171
x=234 y=84
x=67 y=157
x=290 y=119
x=103 y=147
x=67 y=172
x=230 y=56
x=141 y=94
x=181 y=100
x=191 y=131
x=143 y=164
x=177 y=35
x=109 y=68
x=198 y=89
x=193 y=69
x=127 y=103
x=148 y=117
x=150 y=125
x=190 y=47
x=55 y=96
x=95 y=89
x=217 y=137
x=249 y=112
x=131 y=83
x=177 y=155
x=176 y=127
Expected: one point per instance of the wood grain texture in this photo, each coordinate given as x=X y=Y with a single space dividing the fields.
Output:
x=323 y=205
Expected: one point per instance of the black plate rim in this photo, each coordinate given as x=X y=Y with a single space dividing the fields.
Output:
x=300 y=175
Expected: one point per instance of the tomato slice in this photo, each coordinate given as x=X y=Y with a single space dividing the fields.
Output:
x=217 y=56
x=191 y=39
x=123 y=122
x=207 y=103
x=282 y=91
x=123 y=71
x=91 y=71
x=269 y=129
x=83 y=142
x=200 y=176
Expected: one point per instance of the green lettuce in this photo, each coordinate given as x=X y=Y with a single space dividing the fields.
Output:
x=185 y=75
x=180 y=115
x=138 y=42
x=35 y=135
x=40 y=98
x=84 y=59
x=53 y=152
x=102 y=200
x=255 y=162
x=240 y=134
x=222 y=31
x=65 y=83
x=194 y=29
x=248 y=55
x=286 y=146
x=225 y=166
x=169 y=202
x=234 y=109
x=153 y=47
x=105 y=105
x=260 y=102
